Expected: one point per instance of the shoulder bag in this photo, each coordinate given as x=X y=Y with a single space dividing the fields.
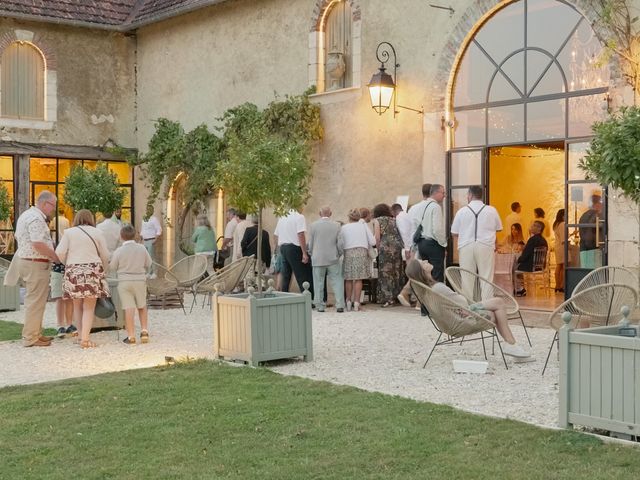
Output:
x=104 y=305
x=417 y=236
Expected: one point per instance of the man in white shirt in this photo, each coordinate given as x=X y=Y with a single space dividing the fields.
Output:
x=232 y=223
x=433 y=243
x=63 y=223
x=110 y=228
x=150 y=231
x=290 y=236
x=238 y=235
x=513 y=217
x=32 y=263
x=476 y=225
x=405 y=227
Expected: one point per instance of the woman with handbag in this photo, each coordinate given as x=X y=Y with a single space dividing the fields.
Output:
x=83 y=250
x=357 y=264
x=390 y=268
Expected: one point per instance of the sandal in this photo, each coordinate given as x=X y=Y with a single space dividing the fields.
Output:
x=87 y=344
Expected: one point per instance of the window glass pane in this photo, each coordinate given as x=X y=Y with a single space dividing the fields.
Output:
x=43 y=169
x=504 y=32
x=90 y=164
x=579 y=60
x=551 y=82
x=582 y=198
x=584 y=111
x=506 y=124
x=545 y=119
x=472 y=78
x=6 y=167
x=470 y=128
x=558 y=20
x=575 y=153
x=8 y=223
x=514 y=69
x=122 y=170
x=501 y=89
x=64 y=168
x=126 y=215
x=127 y=197
x=457 y=199
x=586 y=253
x=466 y=168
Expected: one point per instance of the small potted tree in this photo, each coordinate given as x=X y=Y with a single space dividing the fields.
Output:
x=9 y=296
x=268 y=164
x=97 y=191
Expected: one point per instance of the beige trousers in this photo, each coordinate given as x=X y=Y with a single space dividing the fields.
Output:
x=478 y=258
x=36 y=278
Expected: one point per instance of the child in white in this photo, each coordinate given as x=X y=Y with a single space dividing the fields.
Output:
x=131 y=262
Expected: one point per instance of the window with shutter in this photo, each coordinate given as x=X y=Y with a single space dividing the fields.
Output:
x=337 y=47
x=22 y=82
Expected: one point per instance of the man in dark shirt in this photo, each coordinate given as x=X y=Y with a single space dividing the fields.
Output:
x=524 y=263
x=590 y=256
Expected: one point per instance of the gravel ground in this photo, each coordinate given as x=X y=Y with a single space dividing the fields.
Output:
x=380 y=350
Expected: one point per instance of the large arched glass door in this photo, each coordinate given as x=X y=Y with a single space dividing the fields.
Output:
x=529 y=76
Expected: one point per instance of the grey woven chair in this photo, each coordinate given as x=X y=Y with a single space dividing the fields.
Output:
x=604 y=275
x=227 y=279
x=454 y=321
x=189 y=270
x=599 y=305
x=164 y=285
x=483 y=288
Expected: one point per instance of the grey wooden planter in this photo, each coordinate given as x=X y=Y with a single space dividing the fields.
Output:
x=600 y=379
x=9 y=296
x=256 y=330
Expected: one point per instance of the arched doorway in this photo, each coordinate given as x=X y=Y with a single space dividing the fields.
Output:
x=526 y=89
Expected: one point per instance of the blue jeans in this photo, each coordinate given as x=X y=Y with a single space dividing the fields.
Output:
x=336 y=281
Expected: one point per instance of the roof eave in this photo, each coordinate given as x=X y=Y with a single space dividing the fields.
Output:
x=174 y=13
x=63 y=21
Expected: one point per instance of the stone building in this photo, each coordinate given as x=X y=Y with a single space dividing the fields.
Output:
x=500 y=94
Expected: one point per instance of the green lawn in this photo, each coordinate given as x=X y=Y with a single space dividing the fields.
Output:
x=205 y=420
x=13 y=331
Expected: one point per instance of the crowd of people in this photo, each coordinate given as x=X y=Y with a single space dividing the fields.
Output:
x=377 y=246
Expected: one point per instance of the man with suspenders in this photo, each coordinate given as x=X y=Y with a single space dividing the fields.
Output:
x=476 y=225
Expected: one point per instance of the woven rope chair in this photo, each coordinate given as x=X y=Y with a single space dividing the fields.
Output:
x=483 y=288
x=599 y=305
x=227 y=279
x=454 y=320
x=604 y=275
x=163 y=284
x=189 y=270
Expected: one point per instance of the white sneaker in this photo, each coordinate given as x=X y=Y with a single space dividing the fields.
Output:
x=515 y=351
x=404 y=301
x=356 y=307
x=348 y=305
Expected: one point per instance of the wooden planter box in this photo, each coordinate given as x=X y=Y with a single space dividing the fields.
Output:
x=600 y=380
x=256 y=330
x=9 y=296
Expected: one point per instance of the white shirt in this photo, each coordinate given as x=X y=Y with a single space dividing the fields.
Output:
x=231 y=227
x=111 y=231
x=464 y=224
x=32 y=227
x=512 y=218
x=151 y=228
x=430 y=216
x=357 y=235
x=288 y=228
x=63 y=224
x=405 y=227
x=238 y=234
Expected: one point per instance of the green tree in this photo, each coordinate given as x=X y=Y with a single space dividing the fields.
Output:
x=171 y=152
x=268 y=162
x=95 y=190
x=6 y=204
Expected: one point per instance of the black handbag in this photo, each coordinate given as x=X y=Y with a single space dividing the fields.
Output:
x=417 y=236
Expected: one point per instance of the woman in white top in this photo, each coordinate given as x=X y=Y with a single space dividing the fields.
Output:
x=420 y=270
x=83 y=250
x=357 y=265
x=558 y=232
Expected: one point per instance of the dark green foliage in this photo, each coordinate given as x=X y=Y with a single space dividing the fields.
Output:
x=614 y=155
x=6 y=203
x=95 y=190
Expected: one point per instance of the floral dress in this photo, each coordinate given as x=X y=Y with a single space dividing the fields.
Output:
x=391 y=276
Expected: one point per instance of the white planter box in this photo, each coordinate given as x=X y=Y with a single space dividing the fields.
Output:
x=600 y=379
x=9 y=296
x=256 y=330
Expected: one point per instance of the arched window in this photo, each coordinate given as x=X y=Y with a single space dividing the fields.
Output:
x=338 y=47
x=530 y=73
x=22 y=82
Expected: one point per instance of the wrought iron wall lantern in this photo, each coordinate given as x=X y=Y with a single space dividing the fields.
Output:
x=383 y=89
